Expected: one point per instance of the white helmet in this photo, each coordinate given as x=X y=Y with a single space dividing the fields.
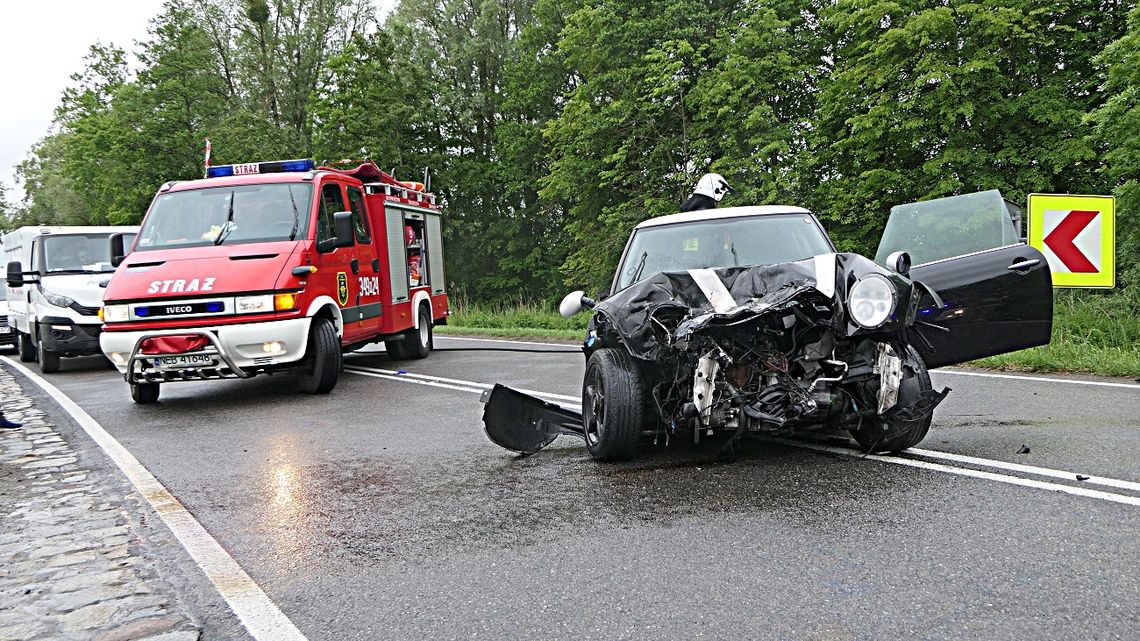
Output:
x=712 y=185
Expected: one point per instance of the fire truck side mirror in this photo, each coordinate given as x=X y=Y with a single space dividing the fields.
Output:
x=342 y=230
x=342 y=225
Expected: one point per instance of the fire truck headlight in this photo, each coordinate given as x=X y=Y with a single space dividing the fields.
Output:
x=118 y=358
x=254 y=304
x=273 y=347
x=284 y=302
x=115 y=313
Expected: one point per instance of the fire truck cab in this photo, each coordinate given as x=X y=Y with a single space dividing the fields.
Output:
x=273 y=266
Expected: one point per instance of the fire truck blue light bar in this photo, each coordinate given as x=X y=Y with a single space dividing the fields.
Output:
x=273 y=167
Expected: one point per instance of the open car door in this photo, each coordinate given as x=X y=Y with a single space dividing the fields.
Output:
x=996 y=291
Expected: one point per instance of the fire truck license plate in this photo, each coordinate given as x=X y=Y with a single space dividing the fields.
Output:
x=194 y=360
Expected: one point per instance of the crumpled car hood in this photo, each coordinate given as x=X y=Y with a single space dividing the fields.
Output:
x=635 y=311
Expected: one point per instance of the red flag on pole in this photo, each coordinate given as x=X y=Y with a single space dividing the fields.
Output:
x=207 y=154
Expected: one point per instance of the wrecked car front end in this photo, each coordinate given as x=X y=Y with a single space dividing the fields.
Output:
x=810 y=344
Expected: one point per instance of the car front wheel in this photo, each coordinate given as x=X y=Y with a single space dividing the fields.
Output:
x=612 y=395
x=893 y=433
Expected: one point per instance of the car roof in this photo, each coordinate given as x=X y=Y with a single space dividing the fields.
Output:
x=728 y=212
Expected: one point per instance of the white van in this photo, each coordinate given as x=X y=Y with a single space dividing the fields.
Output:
x=55 y=282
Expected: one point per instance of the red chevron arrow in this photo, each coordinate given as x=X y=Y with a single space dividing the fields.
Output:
x=1060 y=240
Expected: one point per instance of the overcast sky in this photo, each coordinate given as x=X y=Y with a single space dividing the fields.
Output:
x=41 y=45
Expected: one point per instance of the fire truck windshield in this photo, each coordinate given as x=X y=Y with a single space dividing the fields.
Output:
x=234 y=215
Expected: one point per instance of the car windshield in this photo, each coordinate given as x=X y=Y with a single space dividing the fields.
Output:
x=725 y=242
x=86 y=253
x=230 y=215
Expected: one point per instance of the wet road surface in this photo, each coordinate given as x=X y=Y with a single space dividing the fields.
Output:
x=382 y=511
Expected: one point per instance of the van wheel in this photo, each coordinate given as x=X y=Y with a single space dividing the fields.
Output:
x=49 y=361
x=27 y=349
x=144 y=393
x=321 y=366
x=612 y=405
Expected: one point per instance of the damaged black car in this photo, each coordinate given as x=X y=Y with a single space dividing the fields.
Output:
x=747 y=320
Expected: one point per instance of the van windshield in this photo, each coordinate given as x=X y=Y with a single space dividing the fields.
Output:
x=82 y=253
x=230 y=215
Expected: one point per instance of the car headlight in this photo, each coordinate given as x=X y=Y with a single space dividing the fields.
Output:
x=253 y=304
x=56 y=299
x=871 y=301
x=116 y=313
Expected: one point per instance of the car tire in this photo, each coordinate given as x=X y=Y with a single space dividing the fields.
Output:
x=145 y=393
x=321 y=366
x=49 y=361
x=27 y=349
x=894 y=435
x=612 y=405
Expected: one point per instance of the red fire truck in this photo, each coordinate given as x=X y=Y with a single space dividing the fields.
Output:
x=273 y=266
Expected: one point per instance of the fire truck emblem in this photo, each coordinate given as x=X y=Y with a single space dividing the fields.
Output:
x=342 y=288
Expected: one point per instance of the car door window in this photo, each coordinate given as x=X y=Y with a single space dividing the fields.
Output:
x=359 y=217
x=943 y=228
x=332 y=201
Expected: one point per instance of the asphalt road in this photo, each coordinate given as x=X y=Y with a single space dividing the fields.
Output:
x=381 y=511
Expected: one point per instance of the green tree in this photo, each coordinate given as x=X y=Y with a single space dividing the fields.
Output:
x=1116 y=123
x=933 y=99
x=622 y=148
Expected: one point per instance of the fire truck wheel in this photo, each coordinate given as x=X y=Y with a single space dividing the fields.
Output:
x=49 y=361
x=417 y=340
x=321 y=366
x=144 y=393
x=27 y=349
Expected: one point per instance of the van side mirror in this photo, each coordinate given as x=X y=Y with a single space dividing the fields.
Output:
x=342 y=233
x=15 y=274
x=118 y=249
x=574 y=302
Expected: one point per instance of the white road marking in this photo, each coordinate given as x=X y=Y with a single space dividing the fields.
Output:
x=961 y=471
x=376 y=371
x=261 y=617
x=1026 y=469
x=451 y=337
x=479 y=388
x=1039 y=379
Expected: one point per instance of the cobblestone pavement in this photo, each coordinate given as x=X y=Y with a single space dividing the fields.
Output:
x=73 y=545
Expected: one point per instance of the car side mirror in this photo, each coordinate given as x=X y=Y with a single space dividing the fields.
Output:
x=15 y=274
x=900 y=262
x=574 y=302
x=342 y=233
x=118 y=249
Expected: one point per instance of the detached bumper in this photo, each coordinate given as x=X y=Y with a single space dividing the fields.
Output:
x=68 y=338
x=235 y=351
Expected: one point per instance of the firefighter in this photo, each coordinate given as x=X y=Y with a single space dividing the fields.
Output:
x=710 y=189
